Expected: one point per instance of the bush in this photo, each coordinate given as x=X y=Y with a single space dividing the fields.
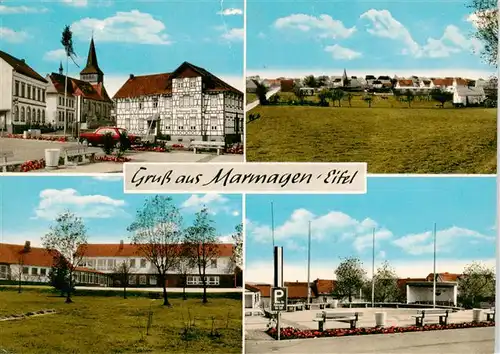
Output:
x=489 y=103
x=123 y=143
x=108 y=144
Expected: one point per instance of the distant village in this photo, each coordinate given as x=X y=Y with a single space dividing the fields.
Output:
x=464 y=90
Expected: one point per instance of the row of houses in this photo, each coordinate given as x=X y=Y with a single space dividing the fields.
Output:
x=100 y=264
x=412 y=290
x=189 y=103
x=465 y=91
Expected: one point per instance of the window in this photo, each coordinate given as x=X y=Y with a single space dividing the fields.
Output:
x=111 y=263
x=43 y=95
x=43 y=117
x=193 y=280
x=34 y=271
x=38 y=115
x=23 y=87
x=101 y=263
x=213 y=280
x=16 y=88
x=131 y=279
x=213 y=101
x=34 y=93
x=16 y=114
x=38 y=94
x=26 y=270
x=152 y=280
x=213 y=263
x=29 y=91
x=155 y=102
x=143 y=263
x=3 y=271
x=28 y=114
x=127 y=123
x=192 y=83
x=193 y=123
x=33 y=115
x=132 y=263
x=142 y=280
x=60 y=102
x=22 y=114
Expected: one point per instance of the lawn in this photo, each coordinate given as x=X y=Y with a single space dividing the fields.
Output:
x=98 y=324
x=423 y=139
x=251 y=97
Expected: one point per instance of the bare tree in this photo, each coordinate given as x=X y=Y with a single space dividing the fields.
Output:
x=203 y=245
x=67 y=242
x=157 y=232
x=122 y=273
x=184 y=267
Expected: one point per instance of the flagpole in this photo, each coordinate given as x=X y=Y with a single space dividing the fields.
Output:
x=434 y=277
x=373 y=270
x=272 y=222
x=309 y=266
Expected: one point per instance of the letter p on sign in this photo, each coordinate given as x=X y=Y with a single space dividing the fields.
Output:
x=279 y=299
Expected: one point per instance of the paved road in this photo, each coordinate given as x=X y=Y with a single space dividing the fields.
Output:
x=459 y=341
x=255 y=103
x=25 y=150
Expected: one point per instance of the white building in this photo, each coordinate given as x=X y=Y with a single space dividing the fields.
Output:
x=187 y=104
x=466 y=96
x=421 y=292
x=106 y=258
x=22 y=96
x=26 y=264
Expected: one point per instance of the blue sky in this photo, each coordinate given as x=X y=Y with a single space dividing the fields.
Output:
x=402 y=211
x=30 y=204
x=132 y=37
x=409 y=37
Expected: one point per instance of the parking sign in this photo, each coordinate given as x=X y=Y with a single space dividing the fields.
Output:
x=279 y=299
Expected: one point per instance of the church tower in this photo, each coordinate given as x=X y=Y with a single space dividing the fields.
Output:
x=92 y=73
x=345 y=80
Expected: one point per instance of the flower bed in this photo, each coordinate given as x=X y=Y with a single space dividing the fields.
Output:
x=235 y=149
x=32 y=165
x=61 y=139
x=178 y=146
x=149 y=148
x=293 y=333
x=113 y=158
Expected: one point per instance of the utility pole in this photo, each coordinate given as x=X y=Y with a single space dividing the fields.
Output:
x=434 y=277
x=309 y=266
x=373 y=270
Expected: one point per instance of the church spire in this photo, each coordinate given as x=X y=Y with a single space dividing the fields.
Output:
x=61 y=69
x=92 y=73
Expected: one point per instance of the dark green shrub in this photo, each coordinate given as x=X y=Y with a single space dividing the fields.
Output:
x=108 y=144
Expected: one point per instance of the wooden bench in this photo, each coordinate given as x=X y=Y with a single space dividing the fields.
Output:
x=350 y=317
x=490 y=314
x=4 y=160
x=424 y=314
x=208 y=145
x=74 y=152
x=295 y=307
x=321 y=306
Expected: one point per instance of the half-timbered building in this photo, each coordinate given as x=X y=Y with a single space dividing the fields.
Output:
x=187 y=104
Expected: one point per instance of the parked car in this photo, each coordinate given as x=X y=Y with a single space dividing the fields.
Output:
x=96 y=137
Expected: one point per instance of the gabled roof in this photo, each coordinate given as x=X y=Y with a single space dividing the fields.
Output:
x=157 y=84
x=470 y=91
x=444 y=277
x=76 y=87
x=128 y=250
x=442 y=82
x=405 y=82
x=297 y=290
x=21 y=67
x=323 y=286
x=264 y=289
x=33 y=256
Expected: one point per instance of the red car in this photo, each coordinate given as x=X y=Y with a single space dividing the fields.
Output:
x=97 y=137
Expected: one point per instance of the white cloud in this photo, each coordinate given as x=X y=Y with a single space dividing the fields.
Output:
x=58 y=55
x=226 y=239
x=233 y=35
x=12 y=36
x=423 y=243
x=215 y=203
x=452 y=41
x=9 y=10
x=230 y=12
x=262 y=271
x=55 y=201
x=341 y=53
x=323 y=26
x=76 y=3
x=334 y=226
x=126 y=27
x=109 y=178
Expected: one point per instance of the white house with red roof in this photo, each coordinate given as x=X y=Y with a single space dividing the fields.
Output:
x=22 y=98
x=187 y=104
x=33 y=264
x=87 y=101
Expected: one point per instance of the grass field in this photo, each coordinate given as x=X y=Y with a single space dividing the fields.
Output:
x=94 y=324
x=390 y=140
x=251 y=97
